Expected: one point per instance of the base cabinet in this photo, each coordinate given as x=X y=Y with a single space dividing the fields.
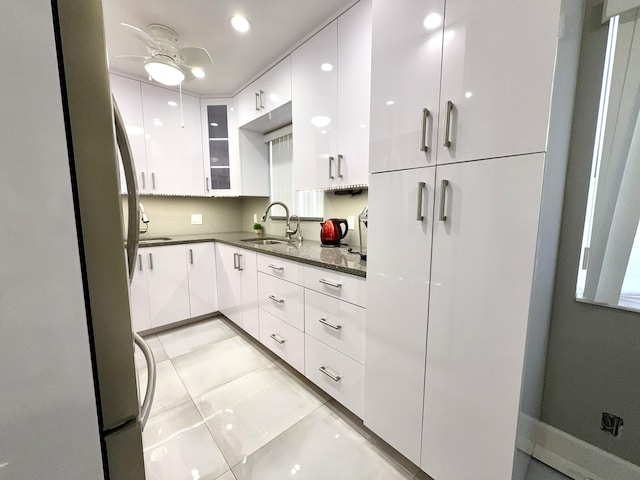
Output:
x=173 y=283
x=238 y=286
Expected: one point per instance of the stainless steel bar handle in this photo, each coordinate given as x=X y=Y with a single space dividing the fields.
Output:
x=153 y=180
x=443 y=197
x=339 y=166
x=277 y=300
x=280 y=269
x=421 y=187
x=332 y=376
x=144 y=180
x=235 y=261
x=206 y=183
x=331 y=284
x=423 y=141
x=140 y=262
x=278 y=338
x=151 y=261
x=191 y=256
x=326 y=322
x=257 y=106
x=145 y=408
x=261 y=98
x=240 y=262
x=447 y=125
x=331 y=159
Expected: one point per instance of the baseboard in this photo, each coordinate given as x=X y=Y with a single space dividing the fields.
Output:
x=578 y=459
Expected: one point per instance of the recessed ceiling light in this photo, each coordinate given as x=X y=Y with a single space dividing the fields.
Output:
x=433 y=20
x=171 y=103
x=197 y=72
x=240 y=23
x=326 y=67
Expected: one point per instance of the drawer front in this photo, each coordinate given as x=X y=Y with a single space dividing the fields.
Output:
x=281 y=268
x=337 y=323
x=335 y=373
x=345 y=287
x=282 y=339
x=283 y=299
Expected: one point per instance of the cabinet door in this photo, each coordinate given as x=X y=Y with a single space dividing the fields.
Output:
x=173 y=142
x=249 y=104
x=228 y=282
x=201 y=264
x=314 y=88
x=139 y=297
x=497 y=70
x=128 y=96
x=398 y=267
x=248 y=266
x=481 y=277
x=405 y=80
x=354 y=80
x=168 y=284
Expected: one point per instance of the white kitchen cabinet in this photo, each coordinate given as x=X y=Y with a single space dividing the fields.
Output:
x=128 y=95
x=283 y=339
x=405 y=83
x=173 y=137
x=201 y=269
x=168 y=284
x=139 y=297
x=330 y=90
x=401 y=208
x=267 y=93
x=236 y=161
x=497 y=70
x=237 y=280
x=481 y=276
x=282 y=299
x=346 y=287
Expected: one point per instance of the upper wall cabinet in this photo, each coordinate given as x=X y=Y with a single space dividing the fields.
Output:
x=494 y=88
x=165 y=139
x=174 y=142
x=330 y=90
x=267 y=93
x=236 y=161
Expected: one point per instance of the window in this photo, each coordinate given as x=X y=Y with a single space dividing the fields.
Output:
x=610 y=258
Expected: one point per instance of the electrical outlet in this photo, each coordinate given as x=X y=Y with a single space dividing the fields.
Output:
x=255 y=218
x=351 y=222
x=196 y=219
x=611 y=423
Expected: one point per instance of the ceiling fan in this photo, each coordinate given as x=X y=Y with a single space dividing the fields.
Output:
x=166 y=63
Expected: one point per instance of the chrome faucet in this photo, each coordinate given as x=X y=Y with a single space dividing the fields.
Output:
x=288 y=231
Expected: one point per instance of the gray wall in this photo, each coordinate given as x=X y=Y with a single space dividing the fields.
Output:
x=593 y=363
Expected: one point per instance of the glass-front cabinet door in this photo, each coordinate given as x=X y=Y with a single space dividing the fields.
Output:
x=220 y=146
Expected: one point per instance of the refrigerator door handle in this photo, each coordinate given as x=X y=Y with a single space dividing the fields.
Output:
x=145 y=408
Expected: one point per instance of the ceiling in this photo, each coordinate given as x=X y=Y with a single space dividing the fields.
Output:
x=276 y=27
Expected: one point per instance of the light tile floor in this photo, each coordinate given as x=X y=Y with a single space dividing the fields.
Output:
x=227 y=409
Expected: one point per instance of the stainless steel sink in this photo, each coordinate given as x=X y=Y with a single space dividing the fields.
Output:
x=266 y=241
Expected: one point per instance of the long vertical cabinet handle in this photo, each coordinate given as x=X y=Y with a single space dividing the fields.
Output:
x=257 y=98
x=151 y=261
x=261 y=98
x=235 y=261
x=443 y=198
x=140 y=262
x=339 y=166
x=191 y=256
x=423 y=140
x=240 y=261
x=420 y=214
x=331 y=159
x=144 y=180
x=153 y=180
x=447 y=125
x=206 y=183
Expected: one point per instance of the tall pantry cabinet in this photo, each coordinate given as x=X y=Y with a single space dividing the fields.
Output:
x=459 y=225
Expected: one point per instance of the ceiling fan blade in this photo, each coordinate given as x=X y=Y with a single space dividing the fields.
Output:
x=136 y=58
x=141 y=35
x=195 y=56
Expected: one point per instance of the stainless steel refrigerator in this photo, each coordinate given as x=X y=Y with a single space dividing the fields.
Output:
x=69 y=407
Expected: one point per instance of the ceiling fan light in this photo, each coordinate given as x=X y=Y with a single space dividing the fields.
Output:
x=164 y=71
x=240 y=23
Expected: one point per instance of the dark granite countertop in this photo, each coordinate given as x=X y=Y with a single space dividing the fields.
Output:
x=309 y=251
